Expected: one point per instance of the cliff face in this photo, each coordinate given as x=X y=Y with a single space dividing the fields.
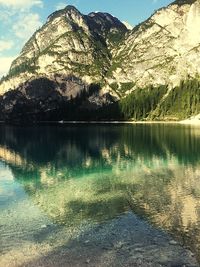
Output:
x=163 y=50
x=77 y=52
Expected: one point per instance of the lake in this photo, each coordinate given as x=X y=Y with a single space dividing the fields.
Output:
x=100 y=195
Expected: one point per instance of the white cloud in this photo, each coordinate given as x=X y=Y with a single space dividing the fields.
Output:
x=6 y=45
x=5 y=15
x=17 y=23
x=21 y=3
x=26 y=25
x=61 y=5
x=5 y=63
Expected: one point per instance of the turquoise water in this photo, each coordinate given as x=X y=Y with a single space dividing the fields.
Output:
x=54 y=178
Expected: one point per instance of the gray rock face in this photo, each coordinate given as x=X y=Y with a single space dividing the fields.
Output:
x=162 y=50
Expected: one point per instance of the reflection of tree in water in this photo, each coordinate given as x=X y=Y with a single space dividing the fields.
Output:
x=95 y=173
x=82 y=141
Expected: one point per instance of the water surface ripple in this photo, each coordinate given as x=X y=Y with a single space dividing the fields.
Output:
x=130 y=189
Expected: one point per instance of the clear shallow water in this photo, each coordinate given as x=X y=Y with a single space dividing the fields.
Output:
x=70 y=177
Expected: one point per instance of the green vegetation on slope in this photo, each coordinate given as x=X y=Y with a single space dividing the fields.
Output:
x=182 y=101
x=154 y=103
x=26 y=66
x=138 y=104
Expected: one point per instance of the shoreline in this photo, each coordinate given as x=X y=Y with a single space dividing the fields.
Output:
x=126 y=240
x=183 y=122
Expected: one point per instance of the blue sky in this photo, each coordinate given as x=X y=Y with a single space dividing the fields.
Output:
x=20 y=18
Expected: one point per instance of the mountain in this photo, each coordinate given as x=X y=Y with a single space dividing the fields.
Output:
x=93 y=67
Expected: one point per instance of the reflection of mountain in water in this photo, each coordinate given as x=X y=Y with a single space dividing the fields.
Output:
x=60 y=142
x=94 y=173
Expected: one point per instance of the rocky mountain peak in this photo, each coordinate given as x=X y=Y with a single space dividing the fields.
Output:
x=72 y=9
x=97 y=49
x=69 y=43
x=183 y=2
x=102 y=17
x=106 y=22
x=70 y=17
x=69 y=9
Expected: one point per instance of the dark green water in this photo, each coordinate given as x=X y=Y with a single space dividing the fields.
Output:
x=73 y=176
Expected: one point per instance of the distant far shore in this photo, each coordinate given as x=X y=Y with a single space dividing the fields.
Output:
x=187 y=121
x=113 y=122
